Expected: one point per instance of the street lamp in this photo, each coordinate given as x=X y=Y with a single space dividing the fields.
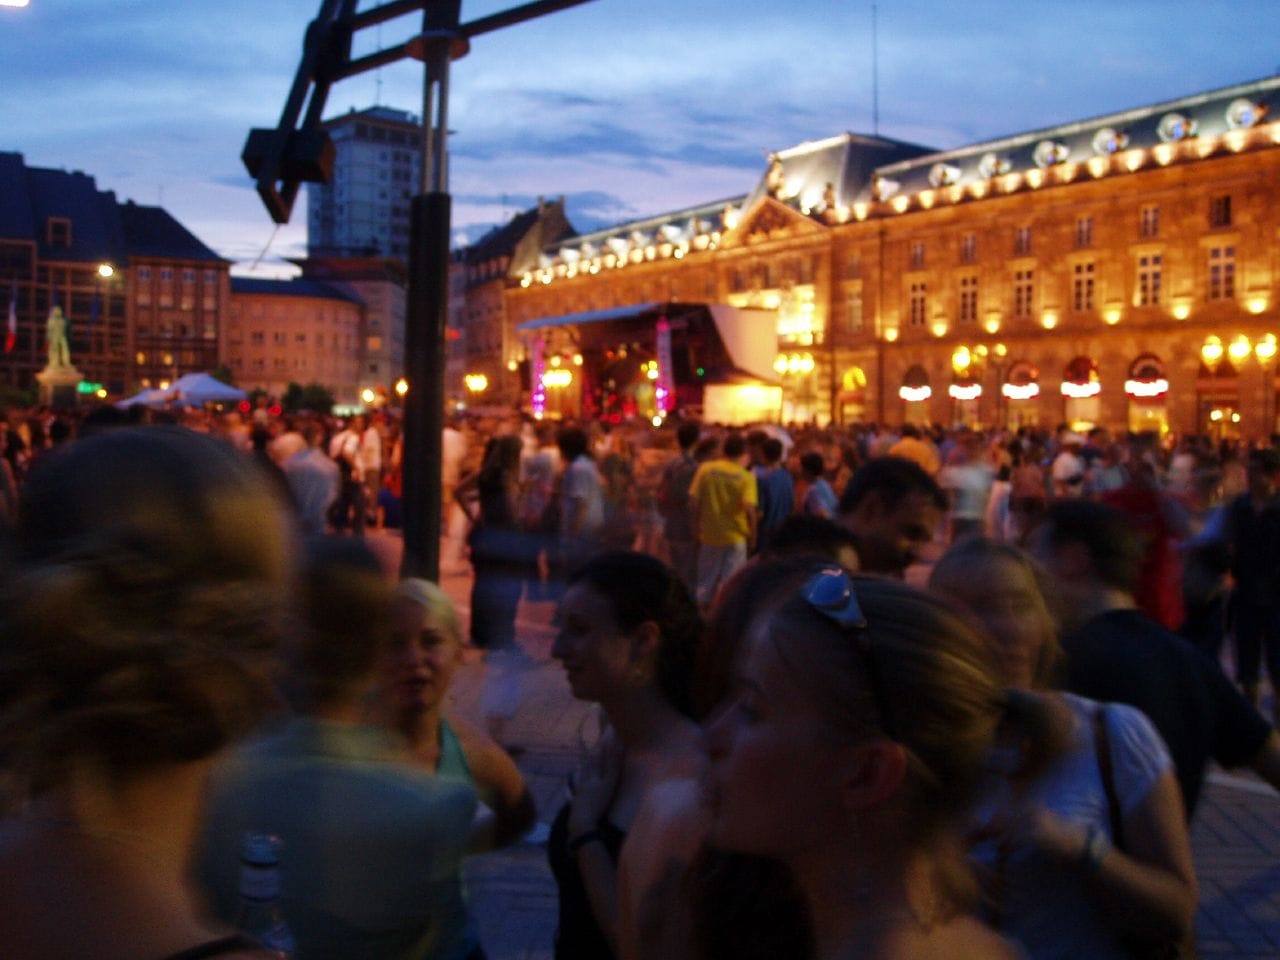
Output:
x=1211 y=352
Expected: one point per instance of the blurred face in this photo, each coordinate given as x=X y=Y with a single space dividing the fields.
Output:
x=890 y=539
x=769 y=762
x=1004 y=595
x=421 y=659
x=596 y=654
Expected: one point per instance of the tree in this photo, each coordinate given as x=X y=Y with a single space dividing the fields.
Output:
x=314 y=396
x=223 y=373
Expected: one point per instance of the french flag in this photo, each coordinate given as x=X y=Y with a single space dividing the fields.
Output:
x=11 y=334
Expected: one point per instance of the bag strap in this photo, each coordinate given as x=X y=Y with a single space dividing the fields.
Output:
x=1102 y=748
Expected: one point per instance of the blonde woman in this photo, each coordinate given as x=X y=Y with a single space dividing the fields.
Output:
x=849 y=752
x=139 y=629
x=1092 y=855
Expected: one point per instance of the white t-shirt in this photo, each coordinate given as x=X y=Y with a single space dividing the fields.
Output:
x=1045 y=905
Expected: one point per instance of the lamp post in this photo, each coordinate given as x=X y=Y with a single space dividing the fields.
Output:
x=281 y=159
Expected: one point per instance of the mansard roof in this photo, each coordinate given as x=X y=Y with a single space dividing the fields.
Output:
x=1204 y=115
x=153 y=232
x=101 y=228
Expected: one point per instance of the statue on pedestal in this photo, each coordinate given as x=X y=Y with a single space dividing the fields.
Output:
x=59 y=379
x=56 y=340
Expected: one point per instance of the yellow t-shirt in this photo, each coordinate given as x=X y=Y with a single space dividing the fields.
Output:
x=723 y=491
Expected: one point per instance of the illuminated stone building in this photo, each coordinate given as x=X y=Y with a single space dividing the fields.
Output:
x=1119 y=271
x=483 y=347
x=144 y=299
x=295 y=331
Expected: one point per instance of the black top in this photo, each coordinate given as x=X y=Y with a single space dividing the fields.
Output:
x=579 y=936
x=1253 y=537
x=1123 y=656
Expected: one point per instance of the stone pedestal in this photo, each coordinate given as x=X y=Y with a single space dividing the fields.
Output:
x=58 y=386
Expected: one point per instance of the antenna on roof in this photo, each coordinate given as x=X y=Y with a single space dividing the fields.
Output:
x=875 y=75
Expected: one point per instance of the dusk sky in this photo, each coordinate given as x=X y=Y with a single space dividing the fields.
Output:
x=627 y=107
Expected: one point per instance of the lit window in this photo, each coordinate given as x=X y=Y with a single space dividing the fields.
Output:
x=1084 y=232
x=1023 y=287
x=1220 y=211
x=968 y=299
x=1082 y=287
x=1022 y=242
x=853 y=311
x=1149 y=222
x=1222 y=273
x=1150 y=268
x=918 y=305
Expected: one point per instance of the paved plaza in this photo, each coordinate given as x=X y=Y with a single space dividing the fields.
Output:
x=1235 y=836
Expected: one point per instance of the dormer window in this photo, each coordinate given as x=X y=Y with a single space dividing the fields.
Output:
x=58 y=231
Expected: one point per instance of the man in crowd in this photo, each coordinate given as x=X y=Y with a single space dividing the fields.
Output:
x=892 y=507
x=673 y=502
x=1114 y=652
x=775 y=489
x=315 y=480
x=724 y=498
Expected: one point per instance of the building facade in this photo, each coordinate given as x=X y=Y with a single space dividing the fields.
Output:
x=144 y=299
x=364 y=210
x=1119 y=271
x=295 y=331
x=485 y=349
x=381 y=285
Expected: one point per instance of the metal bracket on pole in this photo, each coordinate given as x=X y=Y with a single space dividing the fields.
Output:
x=281 y=159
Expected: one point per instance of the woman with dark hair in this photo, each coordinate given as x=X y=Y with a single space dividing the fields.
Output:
x=628 y=636
x=140 y=626
x=500 y=548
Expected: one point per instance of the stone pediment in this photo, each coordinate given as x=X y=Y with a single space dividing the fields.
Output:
x=770 y=220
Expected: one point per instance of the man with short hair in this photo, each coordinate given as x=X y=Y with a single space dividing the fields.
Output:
x=775 y=490
x=1115 y=653
x=892 y=507
x=724 y=497
x=916 y=447
x=315 y=479
x=673 y=502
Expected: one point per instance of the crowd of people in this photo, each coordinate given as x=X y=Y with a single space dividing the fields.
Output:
x=802 y=755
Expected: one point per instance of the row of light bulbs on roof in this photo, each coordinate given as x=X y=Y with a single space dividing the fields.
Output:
x=1108 y=142
x=1241 y=114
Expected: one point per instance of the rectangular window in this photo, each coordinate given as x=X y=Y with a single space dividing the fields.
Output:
x=1220 y=211
x=853 y=311
x=1150 y=268
x=968 y=248
x=968 y=299
x=1222 y=273
x=918 y=304
x=299 y=337
x=280 y=338
x=1082 y=287
x=1023 y=288
x=1084 y=232
x=257 y=337
x=853 y=268
x=1149 y=222
x=58 y=232
x=917 y=256
x=1022 y=242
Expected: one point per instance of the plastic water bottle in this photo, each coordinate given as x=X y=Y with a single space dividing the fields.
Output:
x=260 y=915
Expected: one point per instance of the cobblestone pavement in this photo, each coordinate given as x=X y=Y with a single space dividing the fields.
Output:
x=1235 y=836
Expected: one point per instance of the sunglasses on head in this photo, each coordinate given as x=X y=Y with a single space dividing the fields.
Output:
x=829 y=591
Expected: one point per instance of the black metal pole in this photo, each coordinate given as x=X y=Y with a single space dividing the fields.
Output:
x=428 y=298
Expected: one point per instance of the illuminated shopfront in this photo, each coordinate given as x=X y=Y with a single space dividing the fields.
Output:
x=1081 y=390
x=1147 y=388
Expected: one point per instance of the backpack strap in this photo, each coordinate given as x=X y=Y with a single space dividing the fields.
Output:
x=1102 y=748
